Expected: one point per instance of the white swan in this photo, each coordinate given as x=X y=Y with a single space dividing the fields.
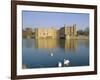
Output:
x=59 y=64
x=51 y=54
x=66 y=62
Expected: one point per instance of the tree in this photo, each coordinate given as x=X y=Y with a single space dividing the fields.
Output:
x=83 y=32
x=86 y=31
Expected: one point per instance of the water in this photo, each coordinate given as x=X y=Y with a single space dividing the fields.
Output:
x=47 y=53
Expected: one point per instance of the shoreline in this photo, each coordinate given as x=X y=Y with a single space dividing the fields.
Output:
x=76 y=37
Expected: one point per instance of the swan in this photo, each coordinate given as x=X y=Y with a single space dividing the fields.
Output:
x=66 y=62
x=51 y=54
x=59 y=64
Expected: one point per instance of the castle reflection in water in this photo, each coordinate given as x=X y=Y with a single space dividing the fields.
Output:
x=69 y=44
x=44 y=53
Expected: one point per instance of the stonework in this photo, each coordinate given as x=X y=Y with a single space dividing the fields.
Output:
x=45 y=33
x=66 y=32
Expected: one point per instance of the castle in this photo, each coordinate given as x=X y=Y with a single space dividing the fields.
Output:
x=45 y=33
x=66 y=32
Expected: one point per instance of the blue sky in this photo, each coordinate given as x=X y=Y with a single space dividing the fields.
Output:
x=35 y=19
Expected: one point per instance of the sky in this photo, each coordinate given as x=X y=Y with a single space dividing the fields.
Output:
x=34 y=19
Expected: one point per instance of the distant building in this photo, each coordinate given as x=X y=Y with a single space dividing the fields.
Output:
x=45 y=33
x=68 y=32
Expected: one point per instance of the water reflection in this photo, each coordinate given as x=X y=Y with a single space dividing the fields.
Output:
x=46 y=43
x=84 y=42
x=28 y=43
x=69 y=44
x=39 y=53
x=54 y=43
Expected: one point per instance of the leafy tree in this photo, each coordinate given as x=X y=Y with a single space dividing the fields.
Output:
x=83 y=32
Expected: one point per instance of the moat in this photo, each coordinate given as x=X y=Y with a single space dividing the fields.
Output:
x=47 y=53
